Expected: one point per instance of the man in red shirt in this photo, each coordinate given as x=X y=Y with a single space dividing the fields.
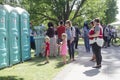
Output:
x=60 y=30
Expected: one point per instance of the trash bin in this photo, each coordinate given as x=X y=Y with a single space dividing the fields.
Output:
x=24 y=34
x=14 y=35
x=4 y=56
x=39 y=40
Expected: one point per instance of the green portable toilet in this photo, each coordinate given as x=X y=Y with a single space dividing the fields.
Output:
x=4 y=56
x=25 y=34
x=14 y=36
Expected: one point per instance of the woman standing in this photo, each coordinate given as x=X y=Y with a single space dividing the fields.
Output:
x=77 y=34
x=98 y=33
x=32 y=40
x=85 y=36
x=70 y=31
x=91 y=32
x=51 y=34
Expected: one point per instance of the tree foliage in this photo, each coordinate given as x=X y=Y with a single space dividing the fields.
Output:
x=111 y=11
x=55 y=10
x=90 y=10
x=42 y=11
x=75 y=10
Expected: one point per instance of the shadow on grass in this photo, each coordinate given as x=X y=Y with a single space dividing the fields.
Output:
x=60 y=64
x=41 y=64
x=36 y=60
x=10 y=78
x=39 y=60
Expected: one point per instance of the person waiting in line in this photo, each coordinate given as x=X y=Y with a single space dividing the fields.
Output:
x=47 y=49
x=98 y=34
x=112 y=34
x=70 y=31
x=91 y=39
x=32 y=41
x=85 y=33
x=63 y=47
x=60 y=31
x=109 y=36
x=51 y=34
x=77 y=34
x=105 y=36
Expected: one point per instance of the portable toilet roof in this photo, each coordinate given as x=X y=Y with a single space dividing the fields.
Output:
x=8 y=8
x=1 y=5
x=21 y=10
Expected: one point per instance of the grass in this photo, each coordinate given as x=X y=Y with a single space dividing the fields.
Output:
x=81 y=42
x=34 y=69
x=116 y=42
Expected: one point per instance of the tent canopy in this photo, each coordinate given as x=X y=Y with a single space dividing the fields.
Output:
x=115 y=23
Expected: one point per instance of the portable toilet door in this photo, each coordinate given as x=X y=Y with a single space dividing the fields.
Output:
x=4 y=57
x=14 y=37
x=25 y=34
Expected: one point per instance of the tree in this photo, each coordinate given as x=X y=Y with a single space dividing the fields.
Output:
x=90 y=10
x=54 y=10
x=111 y=11
x=42 y=11
x=11 y=2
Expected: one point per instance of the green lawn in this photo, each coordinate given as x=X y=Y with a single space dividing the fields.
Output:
x=34 y=69
x=81 y=42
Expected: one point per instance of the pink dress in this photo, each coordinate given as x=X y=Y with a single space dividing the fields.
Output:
x=64 y=49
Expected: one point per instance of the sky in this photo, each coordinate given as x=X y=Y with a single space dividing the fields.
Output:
x=118 y=15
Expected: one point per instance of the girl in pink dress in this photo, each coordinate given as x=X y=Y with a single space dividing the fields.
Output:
x=64 y=47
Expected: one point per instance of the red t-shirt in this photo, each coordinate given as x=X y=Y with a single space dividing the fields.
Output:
x=91 y=32
x=60 y=30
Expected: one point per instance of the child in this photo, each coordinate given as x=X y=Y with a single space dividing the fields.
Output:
x=64 y=47
x=47 y=49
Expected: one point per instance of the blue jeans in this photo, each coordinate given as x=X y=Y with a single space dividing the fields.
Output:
x=71 y=49
x=87 y=45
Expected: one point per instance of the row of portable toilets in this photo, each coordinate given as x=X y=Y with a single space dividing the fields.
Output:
x=14 y=35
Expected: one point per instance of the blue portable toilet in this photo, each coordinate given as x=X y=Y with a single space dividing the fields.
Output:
x=25 y=34
x=14 y=35
x=39 y=39
x=4 y=56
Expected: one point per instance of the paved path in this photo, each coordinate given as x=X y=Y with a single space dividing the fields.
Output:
x=82 y=69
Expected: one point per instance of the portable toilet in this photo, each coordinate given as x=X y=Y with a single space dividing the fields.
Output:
x=14 y=35
x=39 y=39
x=4 y=56
x=25 y=34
